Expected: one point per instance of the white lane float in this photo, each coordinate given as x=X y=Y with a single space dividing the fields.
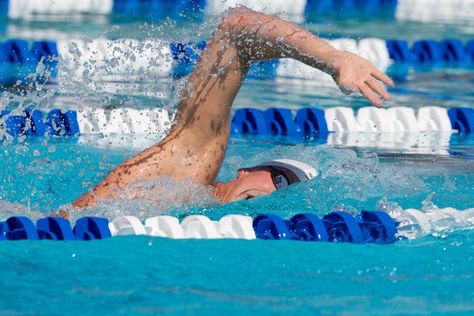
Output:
x=434 y=118
x=236 y=226
x=233 y=226
x=200 y=227
x=164 y=226
x=126 y=225
x=27 y=9
x=341 y=119
x=123 y=121
x=114 y=60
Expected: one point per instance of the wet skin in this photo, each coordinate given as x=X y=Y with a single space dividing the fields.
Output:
x=248 y=184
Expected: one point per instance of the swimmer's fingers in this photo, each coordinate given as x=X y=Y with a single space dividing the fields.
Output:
x=369 y=93
x=378 y=88
x=355 y=74
x=382 y=77
x=348 y=91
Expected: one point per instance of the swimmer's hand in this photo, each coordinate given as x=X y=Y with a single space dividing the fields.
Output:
x=353 y=74
x=259 y=37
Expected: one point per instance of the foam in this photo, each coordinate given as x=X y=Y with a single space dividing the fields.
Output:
x=123 y=121
x=438 y=222
x=109 y=60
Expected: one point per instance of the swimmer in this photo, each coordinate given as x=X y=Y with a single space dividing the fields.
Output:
x=196 y=144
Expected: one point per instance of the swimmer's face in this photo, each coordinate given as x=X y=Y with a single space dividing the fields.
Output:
x=249 y=183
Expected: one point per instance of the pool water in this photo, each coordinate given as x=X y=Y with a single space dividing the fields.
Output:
x=146 y=275
x=142 y=275
x=45 y=174
x=428 y=274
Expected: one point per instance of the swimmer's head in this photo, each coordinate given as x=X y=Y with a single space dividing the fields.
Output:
x=263 y=179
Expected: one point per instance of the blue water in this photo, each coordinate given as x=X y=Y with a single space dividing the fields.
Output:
x=45 y=174
x=431 y=274
x=141 y=275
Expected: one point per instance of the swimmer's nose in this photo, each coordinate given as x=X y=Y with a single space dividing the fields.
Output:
x=242 y=172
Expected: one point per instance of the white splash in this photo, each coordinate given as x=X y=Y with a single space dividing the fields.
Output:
x=429 y=220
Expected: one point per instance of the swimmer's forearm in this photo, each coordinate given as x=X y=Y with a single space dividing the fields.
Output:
x=88 y=198
x=106 y=189
x=260 y=36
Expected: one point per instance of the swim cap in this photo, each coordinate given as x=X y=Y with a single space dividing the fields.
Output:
x=293 y=171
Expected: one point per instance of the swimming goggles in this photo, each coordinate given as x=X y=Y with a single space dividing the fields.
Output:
x=279 y=179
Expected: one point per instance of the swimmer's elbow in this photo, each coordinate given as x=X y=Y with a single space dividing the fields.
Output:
x=235 y=19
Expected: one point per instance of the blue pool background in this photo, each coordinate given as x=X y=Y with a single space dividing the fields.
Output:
x=145 y=275
x=142 y=275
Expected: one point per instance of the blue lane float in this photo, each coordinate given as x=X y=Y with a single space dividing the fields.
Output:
x=54 y=228
x=367 y=227
x=305 y=122
x=430 y=51
x=312 y=121
x=91 y=228
x=307 y=226
x=185 y=56
x=17 y=228
x=36 y=123
x=378 y=227
x=18 y=59
x=462 y=119
x=280 y=122
x=156 y=9
x=249 y=121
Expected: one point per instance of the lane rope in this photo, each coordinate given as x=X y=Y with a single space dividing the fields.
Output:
x=273 y=121
x=109 y=60
x=366 y=227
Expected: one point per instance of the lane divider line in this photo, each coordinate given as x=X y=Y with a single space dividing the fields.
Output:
x=366 y=227
x=109 y=60
x=273 y=121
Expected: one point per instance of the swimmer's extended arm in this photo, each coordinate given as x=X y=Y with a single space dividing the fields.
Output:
x=260 y=37
x=197 y=142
